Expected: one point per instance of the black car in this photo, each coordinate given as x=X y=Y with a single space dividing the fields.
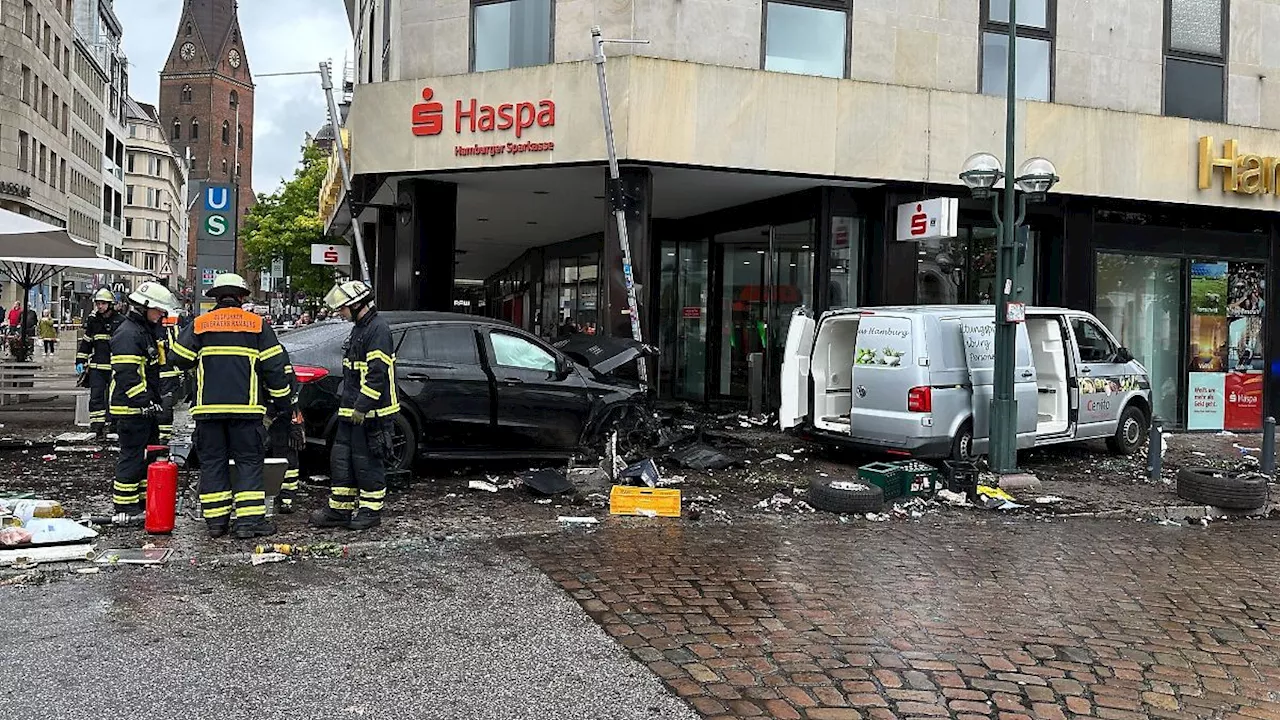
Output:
x=469 y=387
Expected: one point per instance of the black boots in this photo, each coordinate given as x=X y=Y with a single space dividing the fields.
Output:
x=217 y=528
x=365 y=520
x=249 y=529
x=284 y=506
x=330 y=518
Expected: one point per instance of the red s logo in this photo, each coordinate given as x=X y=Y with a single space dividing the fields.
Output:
x=331 y=256
x=428 y=117
x=919 y=222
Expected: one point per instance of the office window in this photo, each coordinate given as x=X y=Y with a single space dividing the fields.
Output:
x=195 y=129
x=806 y=39
x=66 y=118
x=57 y=52
x=62 y=175
x=153 y=165
x=177 y=129
x=28 y=18
x=24 y=149
x=44 y=163
x=226 y=133
x=1195 y=59
x=1035 y=48
x=128 y=194
x=151 y=197
x=27 y=85
x=66 y=62
x=186 y=94
x=130 y=161
x=505 y=34
x=128 y=227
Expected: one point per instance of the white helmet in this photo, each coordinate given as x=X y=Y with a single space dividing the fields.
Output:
x=154 y=295
x=228 y=284
x=104 y=295
x=348 y=292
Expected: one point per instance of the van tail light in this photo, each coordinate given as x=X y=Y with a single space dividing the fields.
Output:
x=920 y=399
x=307 y=373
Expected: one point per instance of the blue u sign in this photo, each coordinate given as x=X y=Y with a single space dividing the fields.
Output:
x=217 y=198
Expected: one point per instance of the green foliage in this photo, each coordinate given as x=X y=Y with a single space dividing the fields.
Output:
x=287 y=222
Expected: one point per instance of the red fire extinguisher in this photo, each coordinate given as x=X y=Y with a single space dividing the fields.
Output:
x=162 y=496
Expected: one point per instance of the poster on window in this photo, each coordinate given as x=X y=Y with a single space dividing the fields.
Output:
x=1246 y=304
x=1206 y=405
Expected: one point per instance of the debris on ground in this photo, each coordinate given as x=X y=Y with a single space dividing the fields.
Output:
x=29 y=557
x=547 y=481
x=703 y=457
x=785 y=456
x=35 y=577
x=135 y=556
x=482 y=485
x=781 y=502
x=264 y=558
x=15 y=536
x=651 y=502
x=993 y=498
x=75 y=437
x=954 y=499
x=877 y=517
x=572 y=520
x=645 y=471
x=1048 y=500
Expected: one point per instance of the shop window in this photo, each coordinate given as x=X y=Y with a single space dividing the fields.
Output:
x=1035 y=48
x=962 y=270
x=1195 y=59
x=516 y=352
x=808 y=38
x=509 y=34
x=846 y=263
x=570 y=291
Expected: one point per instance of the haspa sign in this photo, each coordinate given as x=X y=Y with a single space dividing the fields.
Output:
x=471 y=117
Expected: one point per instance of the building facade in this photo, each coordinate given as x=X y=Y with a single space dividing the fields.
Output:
x=206 y=104
x=100 y=31
x=155 y=215
x=767 y=149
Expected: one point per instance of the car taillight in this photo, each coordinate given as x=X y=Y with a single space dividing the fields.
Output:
x=920 y=399
x=306 y=373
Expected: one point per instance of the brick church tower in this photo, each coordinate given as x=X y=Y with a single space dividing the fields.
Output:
x=206 y=106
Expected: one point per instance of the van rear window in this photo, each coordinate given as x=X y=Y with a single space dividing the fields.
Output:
x=883 y=342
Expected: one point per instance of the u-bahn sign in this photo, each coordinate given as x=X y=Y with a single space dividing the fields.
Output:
x=216 y=226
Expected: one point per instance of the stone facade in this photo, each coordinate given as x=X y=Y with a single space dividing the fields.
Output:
x=156 y=197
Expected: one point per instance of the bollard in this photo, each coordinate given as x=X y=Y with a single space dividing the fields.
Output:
x=1155 y=448
x=1269 y=446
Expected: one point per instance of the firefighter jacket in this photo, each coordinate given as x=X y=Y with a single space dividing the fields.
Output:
x=170 y=373
x=236 y=356
x=95 y=347
x=136 y=358
x=369 y=369
x=292 y=381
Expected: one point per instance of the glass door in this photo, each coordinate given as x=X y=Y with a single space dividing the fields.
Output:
x=1140 y=301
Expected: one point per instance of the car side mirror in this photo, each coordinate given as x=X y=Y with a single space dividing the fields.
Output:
x=1123 y=355
x=564 y=367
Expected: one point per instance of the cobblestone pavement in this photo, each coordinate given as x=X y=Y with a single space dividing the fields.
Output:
x=1060 y=619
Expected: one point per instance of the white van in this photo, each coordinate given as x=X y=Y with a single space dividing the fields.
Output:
x=918 y=381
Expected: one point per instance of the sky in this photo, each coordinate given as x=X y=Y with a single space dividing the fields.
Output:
x=280 y=36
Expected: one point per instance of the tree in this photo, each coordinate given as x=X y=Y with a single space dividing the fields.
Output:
x=287 y=222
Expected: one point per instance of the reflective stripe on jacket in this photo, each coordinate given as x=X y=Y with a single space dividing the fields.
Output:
x=369 y=370
x=236 y=356
x=135 y=367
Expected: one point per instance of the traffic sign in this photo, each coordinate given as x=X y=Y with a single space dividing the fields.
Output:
x=166 y=268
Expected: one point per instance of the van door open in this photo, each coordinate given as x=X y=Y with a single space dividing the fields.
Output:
x=796 y=361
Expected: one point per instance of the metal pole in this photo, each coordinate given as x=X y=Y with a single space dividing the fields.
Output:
x=1155 y=448
x=1269 y=446
x=336 y=119
x=1004 y=405
x=617 y=201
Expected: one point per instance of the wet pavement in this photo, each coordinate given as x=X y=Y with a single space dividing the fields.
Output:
x=998 y=619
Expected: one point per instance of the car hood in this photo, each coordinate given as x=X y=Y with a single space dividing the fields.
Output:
x=601 y=353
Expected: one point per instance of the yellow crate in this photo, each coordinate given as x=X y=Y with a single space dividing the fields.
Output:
x=625 y=500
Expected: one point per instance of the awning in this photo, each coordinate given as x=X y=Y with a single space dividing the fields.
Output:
x=97 y=263
x=21 y=235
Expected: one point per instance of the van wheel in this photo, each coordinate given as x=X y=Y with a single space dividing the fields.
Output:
x=1131 y=431
x=962 y=443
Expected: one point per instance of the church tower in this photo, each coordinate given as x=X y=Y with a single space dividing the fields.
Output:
x=206 y=107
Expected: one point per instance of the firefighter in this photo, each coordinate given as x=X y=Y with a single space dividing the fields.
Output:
x=229 y=347
x=171 y=380
x=287 y=439
x=136 y=359
x=362 y=444
x=94 y=357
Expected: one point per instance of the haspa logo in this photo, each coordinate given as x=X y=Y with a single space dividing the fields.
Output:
x=429 y=116
x=919 y=222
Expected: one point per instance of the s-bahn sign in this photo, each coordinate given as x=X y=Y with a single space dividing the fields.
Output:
x=216 y=226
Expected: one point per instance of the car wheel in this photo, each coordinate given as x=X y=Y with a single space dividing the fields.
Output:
x=1131 y=431
x=845 y=496
x=1220 y=488
x=404 y=444
x=962 y=443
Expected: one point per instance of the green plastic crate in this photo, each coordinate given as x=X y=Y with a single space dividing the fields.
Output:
x=919 y=479
x=885 y=475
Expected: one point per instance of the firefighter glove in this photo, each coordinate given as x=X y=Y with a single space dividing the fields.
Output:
x=152 y=410
x=297 y=436
x=357 y=417
x=79 y=368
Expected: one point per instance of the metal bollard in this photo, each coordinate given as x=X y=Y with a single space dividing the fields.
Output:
x=1155 y=448
x=1269 y=446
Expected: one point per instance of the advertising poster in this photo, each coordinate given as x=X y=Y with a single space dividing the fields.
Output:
x=1206 y=402
x=1246 y=303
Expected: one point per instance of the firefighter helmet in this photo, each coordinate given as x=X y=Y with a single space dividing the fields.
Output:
x=104 y=295
x=347 y=293
x=154 y=295
x=228 y=284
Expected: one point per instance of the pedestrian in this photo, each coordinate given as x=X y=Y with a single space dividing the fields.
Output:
x=15 y=317
x=230 y=346
x=287 y=438
x=94 y=357
x=135 y=391
x=357 y=463
x=48 y=333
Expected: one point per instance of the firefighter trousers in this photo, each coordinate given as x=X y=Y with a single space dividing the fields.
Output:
x=218 y=442
x=358 y=472
x=279 y=448
x=130 y=490
x=99 y=384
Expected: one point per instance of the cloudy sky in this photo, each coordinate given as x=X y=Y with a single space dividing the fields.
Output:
x=280 y=36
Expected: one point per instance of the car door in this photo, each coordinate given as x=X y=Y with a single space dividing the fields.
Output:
x=542 y=401
x=1098 y=378
x=795 y=371
x=440 y=372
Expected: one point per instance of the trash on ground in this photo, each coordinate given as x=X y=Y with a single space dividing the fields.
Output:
x=282 y=548
x=1244 y=449
x=591 y=477
x=1049 y=500
x=32 y=556
x=781 y=502
x=325 y=549
x=135 y=556
x=482 y=485
x=49 y=457
x=542 y=501
x=547 y=482
x=47 y=531
x=877 y=517
x=27 y=509
x=703 y=457
x=954 y=498
x=993 y=498
x=786 y=457
x=11 y=536
x=77 y=449
x=571 y=520
x=673 y=480
x=264 y=558
x=645 y=472
x=1226 y=433
x=23 y=579
x=75 y=437
x=88 y=571
x=631 y=500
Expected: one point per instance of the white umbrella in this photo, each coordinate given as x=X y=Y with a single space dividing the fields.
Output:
x=21 y=236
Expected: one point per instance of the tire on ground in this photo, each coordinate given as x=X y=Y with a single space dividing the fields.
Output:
x=847 y=496
x=1222 y=489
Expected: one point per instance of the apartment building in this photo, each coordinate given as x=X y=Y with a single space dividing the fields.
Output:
x=100 y=31
x=155 y=215
x=768 y=148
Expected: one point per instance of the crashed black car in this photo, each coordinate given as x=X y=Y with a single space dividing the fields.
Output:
x=471 y=388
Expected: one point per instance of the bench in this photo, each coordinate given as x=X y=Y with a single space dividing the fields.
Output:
x=19 y=380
